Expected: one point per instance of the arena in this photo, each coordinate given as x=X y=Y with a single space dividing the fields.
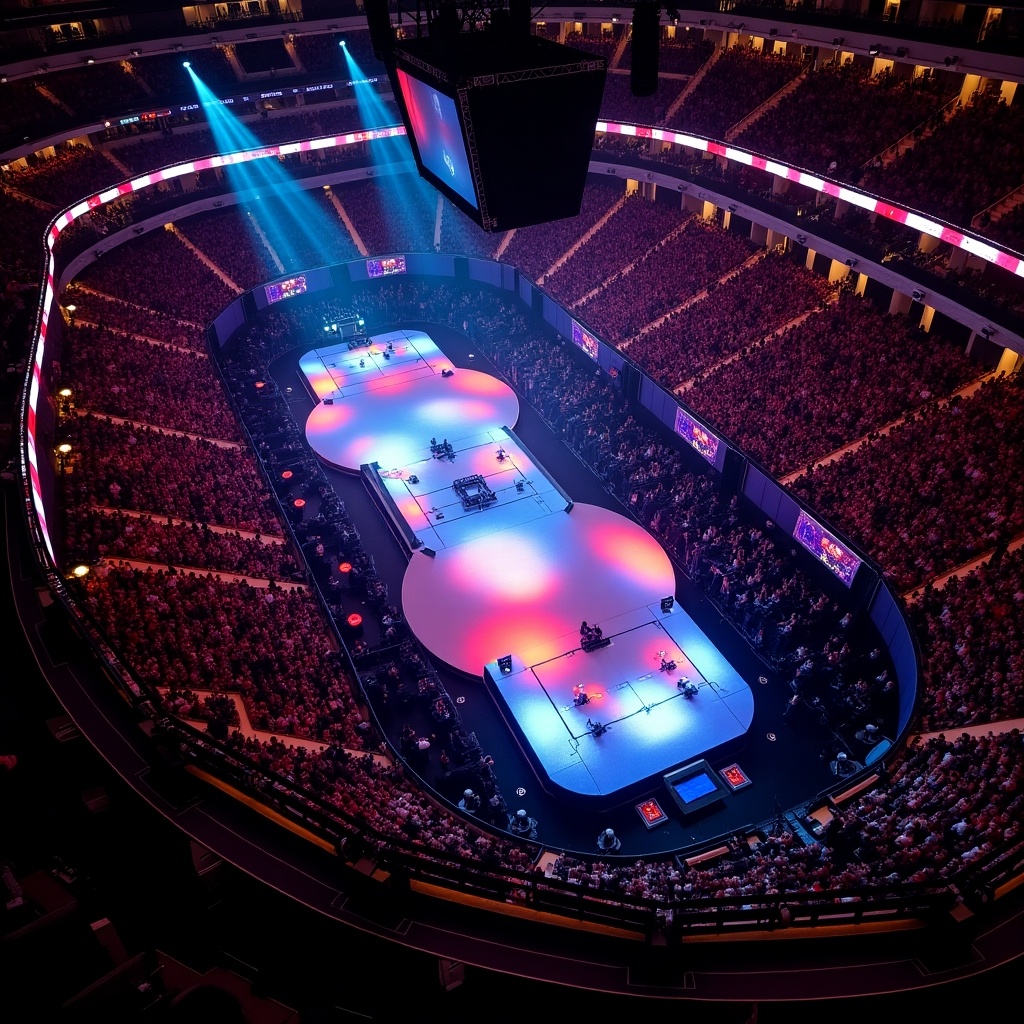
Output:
x=754 y=416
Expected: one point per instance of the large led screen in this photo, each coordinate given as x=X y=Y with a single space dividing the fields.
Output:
x=438 y=137
x=285 y=289
x=584 y=339
x=826 y=548
x=701 y=440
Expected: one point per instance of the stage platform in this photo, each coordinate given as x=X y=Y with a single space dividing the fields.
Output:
x=336 y=370
x=388 y=411
x=504 y=563
x=650 y=725
x=423 y=494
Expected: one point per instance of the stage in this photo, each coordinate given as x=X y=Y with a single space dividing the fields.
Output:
x=504 y=563
x=650 y=726
x=387 y=410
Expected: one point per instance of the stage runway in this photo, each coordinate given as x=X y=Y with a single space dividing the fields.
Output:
x=503 y=563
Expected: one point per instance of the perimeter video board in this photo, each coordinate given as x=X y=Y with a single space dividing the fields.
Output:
x=826 y=548
x=697 y=437
x=285 y=289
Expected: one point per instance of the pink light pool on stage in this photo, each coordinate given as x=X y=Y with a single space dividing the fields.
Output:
x=518 y=573
x=392 y=423
x=526 y=588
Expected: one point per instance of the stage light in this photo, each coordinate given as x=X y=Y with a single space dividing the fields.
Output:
x=79 y=571
x=505 y=664
x=874 y=50
x=341 y=42
x=186 y=63
x=667 y=603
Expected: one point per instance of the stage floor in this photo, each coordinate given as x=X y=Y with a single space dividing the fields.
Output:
x=650 y=725
x=388 y=410
x=423 y=491
x=518 y=575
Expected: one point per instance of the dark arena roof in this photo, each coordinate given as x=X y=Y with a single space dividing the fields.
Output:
x=311 y=482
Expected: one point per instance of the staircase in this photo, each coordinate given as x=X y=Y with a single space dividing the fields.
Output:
x=568 y=254
x=122 y=167
x=53 y=99
x=1000 y=208
x=692 y=84
x=205 y=260
x=271 y=251
x=504 y=244
x=620 y=49
x=347 y=221
x=769 y=104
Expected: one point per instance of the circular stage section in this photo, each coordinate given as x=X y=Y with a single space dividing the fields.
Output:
x=526 y=589
x=392 y=424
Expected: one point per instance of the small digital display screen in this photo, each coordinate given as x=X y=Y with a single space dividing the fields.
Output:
x=386 y=267
x=826 y=548
x=694 y=788
x=286 y=289
x=700 y=439
x=584 y=340
x=438 y=135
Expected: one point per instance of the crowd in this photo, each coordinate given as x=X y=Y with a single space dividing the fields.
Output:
x=132 y=466
x=733 y=317
x=619 y=104
x=926 y=495
x=393 y=216
x=635 y=229
x=100 y=90
x=304 y=231
x=737 y=83
x=155 y=384
x=102 y=533
x=127 y=316
x=74 y=172
x=967 y=163
x=971 y=633
x=840 y=117
x=227 y=238
x=935 y=491
x=461 y=235
x=163 y=271
x=681 y=55
x=839 y=374
x=535 y=249
x=663 y=278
